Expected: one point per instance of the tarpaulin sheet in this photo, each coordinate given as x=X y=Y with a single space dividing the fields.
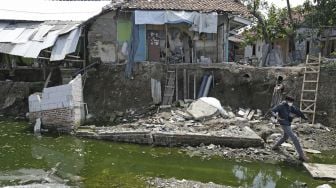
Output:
x=201 y=22
x=141 y=51
x=124 y=28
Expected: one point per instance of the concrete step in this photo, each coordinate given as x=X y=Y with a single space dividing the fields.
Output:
x=321 y=171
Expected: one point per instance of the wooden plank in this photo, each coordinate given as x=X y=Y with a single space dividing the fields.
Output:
x=48 y=79
x=194 y=85
x=321 y=171
x=176 y=85
x=185 y=89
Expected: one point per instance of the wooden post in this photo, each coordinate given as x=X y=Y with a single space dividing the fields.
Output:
x=85 y=52
x=185 y=84
x=176 y=80
x=195 y=85
x=188 y=85
x=166 y=39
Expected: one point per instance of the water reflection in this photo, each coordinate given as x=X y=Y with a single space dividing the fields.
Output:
x=261 y=178
x=65 y=159
x=94 y=163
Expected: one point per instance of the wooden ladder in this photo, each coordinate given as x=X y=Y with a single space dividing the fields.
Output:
x=309 y=91
x=169 y=88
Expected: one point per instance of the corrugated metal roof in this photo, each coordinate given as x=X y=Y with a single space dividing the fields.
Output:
x=6 y=47
x=42 y=31
x=9 y=35
x=65 y=44
x=25 y=36
x=3 y=25
x=28 y=39
x=42 y=10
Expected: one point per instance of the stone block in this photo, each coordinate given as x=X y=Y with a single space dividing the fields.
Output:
x=200 y=110
x=321 y=171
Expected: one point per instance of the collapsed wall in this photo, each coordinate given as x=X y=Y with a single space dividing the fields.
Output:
x=60 y=107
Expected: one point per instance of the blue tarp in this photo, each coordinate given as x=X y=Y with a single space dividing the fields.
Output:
x=141 y=54
x=133 y=48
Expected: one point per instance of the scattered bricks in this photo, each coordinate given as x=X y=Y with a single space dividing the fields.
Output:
x=61 y=118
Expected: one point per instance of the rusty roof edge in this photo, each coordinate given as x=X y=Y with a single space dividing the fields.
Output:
x=127 y=5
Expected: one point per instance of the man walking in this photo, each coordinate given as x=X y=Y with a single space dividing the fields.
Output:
x=284 y=114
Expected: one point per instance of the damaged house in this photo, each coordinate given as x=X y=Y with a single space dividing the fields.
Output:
x=165 y=31
x=36 y=39
x=185 y=46
x=196 y=39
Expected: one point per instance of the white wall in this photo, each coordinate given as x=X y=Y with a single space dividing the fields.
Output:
x=248 y=50
x=63 y=96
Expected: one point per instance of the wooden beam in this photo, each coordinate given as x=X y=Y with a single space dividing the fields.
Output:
x=70 y=60
x=194 y=85
x=176 y=81
x=185 y=90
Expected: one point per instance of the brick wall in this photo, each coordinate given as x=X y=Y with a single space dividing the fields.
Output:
x=61 y=118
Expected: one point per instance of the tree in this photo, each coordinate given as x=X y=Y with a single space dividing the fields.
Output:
x=291 y=34
x=267 y=27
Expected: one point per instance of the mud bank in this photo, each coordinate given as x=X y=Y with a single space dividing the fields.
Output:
x=109 y=94
x=16 y=86
x=111 y=97
x=14 y=97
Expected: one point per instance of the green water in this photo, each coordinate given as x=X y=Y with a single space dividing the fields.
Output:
x=107 y=164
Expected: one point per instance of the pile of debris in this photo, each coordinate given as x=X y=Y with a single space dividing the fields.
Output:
x=206 y=117
x=172 y=182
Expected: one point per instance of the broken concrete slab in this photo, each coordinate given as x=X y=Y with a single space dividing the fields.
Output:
x=195 y=139
x=321 y=171
x=200 y=110
x=232 y=136
x=312 y=151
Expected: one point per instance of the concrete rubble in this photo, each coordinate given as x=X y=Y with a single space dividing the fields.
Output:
x=243 y=134
x=321 y=171
x=172 y=182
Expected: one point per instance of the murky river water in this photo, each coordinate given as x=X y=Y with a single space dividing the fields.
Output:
x=92 y=163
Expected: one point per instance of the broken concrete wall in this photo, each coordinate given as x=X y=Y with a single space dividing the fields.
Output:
x=59 y=107
x=107 y=92
x=102 y=38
